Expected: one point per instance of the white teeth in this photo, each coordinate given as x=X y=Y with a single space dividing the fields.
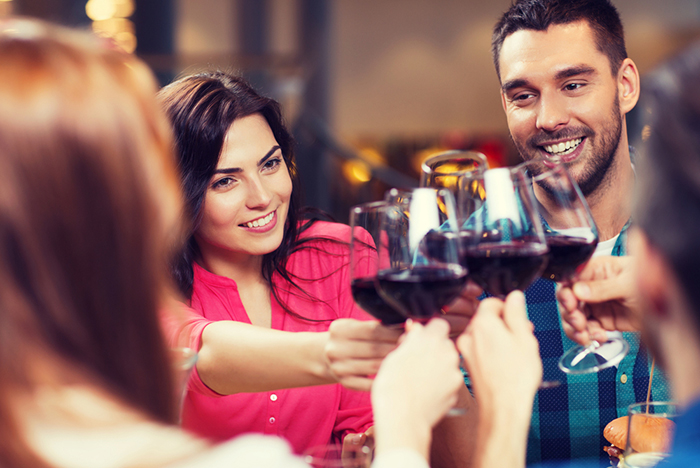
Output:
x=563 y=147
x=261 y=221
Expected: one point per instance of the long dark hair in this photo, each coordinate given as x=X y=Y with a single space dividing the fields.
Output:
x=202 y=108
x=88 y=190
x=667 y=205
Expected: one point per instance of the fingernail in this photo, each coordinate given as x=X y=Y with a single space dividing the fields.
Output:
x=356 y=439
x=582 y=290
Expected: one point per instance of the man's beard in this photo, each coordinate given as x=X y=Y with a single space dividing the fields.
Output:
x=598 y=165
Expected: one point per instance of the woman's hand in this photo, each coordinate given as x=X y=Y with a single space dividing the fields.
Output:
x=355 y=350
x=606 y=286
x=416 y=385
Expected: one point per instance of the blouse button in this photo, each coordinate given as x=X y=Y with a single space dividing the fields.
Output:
x=623 y=378
x=273 y=397
x=272 y=420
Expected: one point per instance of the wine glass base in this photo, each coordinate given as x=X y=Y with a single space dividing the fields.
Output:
x=594 y=357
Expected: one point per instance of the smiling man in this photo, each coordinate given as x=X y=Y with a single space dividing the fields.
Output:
x=566 y=87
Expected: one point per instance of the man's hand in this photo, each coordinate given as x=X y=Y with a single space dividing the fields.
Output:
x=355 y=350
x=606 y=288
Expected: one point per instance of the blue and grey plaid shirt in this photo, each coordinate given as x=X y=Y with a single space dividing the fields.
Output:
x=568 y=420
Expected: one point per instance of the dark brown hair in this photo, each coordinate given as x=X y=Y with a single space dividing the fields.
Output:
x=87 y=193
x=539 y=15
x=667 y=206
x=202 y=108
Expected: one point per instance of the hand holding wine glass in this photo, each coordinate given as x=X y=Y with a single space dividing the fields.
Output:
x=571 y=236
x=611 y=301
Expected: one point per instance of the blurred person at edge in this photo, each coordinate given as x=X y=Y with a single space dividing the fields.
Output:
x=654 y=290
x=89 y=204
x=255 y=257
x=566 y=87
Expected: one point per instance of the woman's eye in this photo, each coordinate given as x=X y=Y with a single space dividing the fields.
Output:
x=272 y=163
x=222 y=183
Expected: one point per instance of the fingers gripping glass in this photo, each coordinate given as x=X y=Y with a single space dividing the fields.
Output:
x=571 y=236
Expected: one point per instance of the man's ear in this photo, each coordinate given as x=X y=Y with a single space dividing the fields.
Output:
x=628 y=85
x=653 y=274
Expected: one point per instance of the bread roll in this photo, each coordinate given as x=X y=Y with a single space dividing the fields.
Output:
x=649 y=433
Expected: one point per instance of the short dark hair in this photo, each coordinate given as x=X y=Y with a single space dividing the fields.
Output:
x=668 y=200
x=539 y=15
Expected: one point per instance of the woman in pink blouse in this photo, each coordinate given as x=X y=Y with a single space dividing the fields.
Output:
x=254 y=257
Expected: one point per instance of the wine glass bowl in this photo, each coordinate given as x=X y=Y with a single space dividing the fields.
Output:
x=365 y=220
x=506 y=248
x=420 y=270
x=447 y=169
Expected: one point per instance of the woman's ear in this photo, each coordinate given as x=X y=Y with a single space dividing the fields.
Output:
x=628 y=85
x=652 y=273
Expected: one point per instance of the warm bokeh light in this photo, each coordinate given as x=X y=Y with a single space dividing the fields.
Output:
x=357 y=172
x=99 y=10
x=110 y=20
x=5 y=8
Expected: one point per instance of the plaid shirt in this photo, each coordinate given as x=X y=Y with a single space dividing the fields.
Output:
x=568 y=420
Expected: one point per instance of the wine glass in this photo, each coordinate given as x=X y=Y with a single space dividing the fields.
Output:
x=365 y=222
x=419 y=262
x=656 y=417
x=337 y=456
x=508 y=250
x=571 y=236
x=444 y=170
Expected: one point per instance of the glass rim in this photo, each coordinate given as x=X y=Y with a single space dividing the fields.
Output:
x=642 y=404
x=360 y=207
x=558 y=165
x=477 y=156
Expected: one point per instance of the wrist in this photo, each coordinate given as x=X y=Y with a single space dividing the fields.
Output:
x=400 y=431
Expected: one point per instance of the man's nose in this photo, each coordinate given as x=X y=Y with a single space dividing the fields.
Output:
x=553 y=113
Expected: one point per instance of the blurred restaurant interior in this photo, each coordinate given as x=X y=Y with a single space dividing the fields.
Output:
x=369 y=87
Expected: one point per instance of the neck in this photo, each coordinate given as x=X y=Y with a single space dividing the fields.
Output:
x=242 y=269
x=611 y=203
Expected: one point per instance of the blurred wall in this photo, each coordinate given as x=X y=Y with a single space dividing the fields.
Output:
x=414 y=67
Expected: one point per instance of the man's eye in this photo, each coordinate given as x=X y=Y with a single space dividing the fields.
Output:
x=522 y=97
x=573 y=86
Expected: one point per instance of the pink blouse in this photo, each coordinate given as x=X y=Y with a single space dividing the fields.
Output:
x=306 y=416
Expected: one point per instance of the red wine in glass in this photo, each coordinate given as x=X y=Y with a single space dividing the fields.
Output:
x=566 y=255
x=422 y=290
x=365 y=294
x=501 y=268
x=365 y=222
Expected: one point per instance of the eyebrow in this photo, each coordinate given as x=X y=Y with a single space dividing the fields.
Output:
x=236 y=170
x=561 y=75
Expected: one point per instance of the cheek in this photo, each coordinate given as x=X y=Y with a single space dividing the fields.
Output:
x=218 y=212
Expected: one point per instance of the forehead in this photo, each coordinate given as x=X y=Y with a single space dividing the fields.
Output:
x=248 y=138
x=528 y=54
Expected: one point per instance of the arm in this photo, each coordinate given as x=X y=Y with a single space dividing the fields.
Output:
x=502 y=356
x=238 y=357
x=606 y=286
x=416 y=385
